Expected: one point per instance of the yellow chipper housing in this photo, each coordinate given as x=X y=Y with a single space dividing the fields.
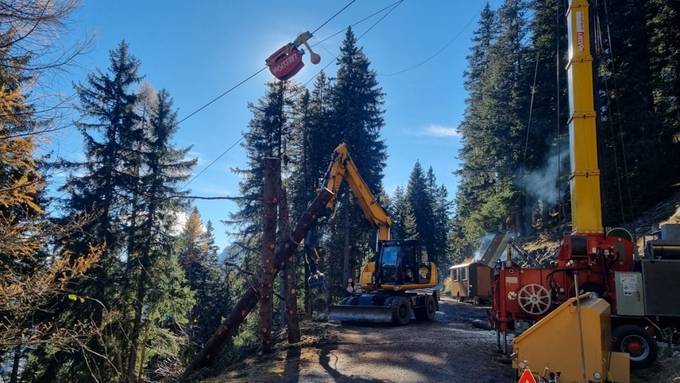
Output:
x=572 y=344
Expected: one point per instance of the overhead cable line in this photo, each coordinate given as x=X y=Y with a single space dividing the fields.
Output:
x=435 y=54
x=531 y=113
x=226 y=92
x=216 y=98
x=241 y=137
x=357 y=23
x=332 y=17
x=233 y=145
x=393 y=5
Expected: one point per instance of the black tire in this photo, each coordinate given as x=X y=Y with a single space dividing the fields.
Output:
x=402 y=311
x=635 y=341
x=430 y=307
x=428 y=311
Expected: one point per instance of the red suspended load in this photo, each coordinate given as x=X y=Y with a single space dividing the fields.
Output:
x=285 y=62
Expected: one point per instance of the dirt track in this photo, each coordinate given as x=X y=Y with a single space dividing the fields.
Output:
x=449 y=349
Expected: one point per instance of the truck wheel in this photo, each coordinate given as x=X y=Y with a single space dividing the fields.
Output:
x=402 y=311
x=428 y=311
x=636 y=342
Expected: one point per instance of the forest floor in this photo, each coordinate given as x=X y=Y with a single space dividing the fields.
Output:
x=449 y=349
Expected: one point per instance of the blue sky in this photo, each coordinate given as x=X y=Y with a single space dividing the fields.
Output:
x=198 y=49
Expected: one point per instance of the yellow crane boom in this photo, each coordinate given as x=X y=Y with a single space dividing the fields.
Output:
x=341 y=168
x=584 y=181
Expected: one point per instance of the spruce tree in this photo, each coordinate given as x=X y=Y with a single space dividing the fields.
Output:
x=403 y=220
x=476 y=171
x=198 y=257
x=439 y=248
x=494 y=123
x=165 y=168
x=268 y=135
x=663 y=17
x=107 y=104
x=98 y=194
x=357 y=119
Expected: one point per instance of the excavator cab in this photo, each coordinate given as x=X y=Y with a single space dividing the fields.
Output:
x=401 y=263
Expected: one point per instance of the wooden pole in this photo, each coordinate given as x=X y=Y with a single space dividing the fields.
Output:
x=288 y=273
x=270 y=194
x=251 y=296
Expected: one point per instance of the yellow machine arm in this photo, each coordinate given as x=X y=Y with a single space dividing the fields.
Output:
x=343 y=168
x=584 y=181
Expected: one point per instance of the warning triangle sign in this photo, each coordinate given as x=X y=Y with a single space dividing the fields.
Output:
x=527 y=377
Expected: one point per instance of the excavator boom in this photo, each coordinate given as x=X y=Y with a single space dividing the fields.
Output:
x=382 y=293
x=342 y=168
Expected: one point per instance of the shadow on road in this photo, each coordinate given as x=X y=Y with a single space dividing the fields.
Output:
x=325 y=361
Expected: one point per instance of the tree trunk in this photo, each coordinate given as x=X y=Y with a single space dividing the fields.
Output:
x=14 y=377
x=251 y=296
x=346 y=243
x=145 y=264
x=270 y=193
x=308 y=300
x=288 y=273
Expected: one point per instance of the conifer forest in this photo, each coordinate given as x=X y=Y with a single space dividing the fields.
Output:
x=110 y=271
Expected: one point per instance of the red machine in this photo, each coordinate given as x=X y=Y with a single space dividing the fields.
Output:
x=287 y=61
x=529 y=293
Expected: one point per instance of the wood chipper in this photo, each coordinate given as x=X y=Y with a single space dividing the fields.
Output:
x=567 y=344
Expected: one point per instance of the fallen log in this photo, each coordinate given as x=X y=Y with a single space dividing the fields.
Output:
x=251 y=296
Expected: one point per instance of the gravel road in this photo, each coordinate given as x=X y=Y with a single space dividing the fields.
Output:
x=448 y=349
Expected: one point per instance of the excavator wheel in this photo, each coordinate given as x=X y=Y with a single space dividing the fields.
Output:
x=427 y=312
x=401 y=313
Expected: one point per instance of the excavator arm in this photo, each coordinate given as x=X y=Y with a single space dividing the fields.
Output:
x=342 y=168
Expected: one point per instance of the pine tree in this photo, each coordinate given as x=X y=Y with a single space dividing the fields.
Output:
x=268 y=135
x=357 y=101
x=109 y=126
x=198 y=257
x=663 y=16
x=108 y=102
x=494 y=123
x=403 y=220
x=165 y=168
x=439 y=248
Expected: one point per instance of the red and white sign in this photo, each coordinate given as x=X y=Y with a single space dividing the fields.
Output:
x=285 y=62
x=580 y=31
x=527 y=377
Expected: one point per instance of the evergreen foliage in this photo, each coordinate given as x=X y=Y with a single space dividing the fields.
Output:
x=513 y=174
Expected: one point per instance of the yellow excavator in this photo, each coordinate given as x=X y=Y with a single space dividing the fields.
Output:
x=399 y=283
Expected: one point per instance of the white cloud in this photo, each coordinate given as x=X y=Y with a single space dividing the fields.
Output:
x=434 y=130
